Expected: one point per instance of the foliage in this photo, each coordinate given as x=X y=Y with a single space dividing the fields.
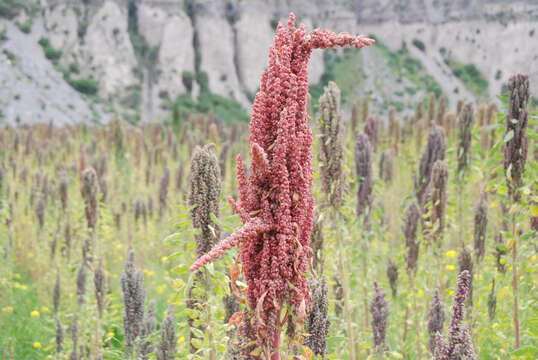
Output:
x=50 y=52
x=223 y=108
x=473 y=79
x=401 y=62
x=86 y=86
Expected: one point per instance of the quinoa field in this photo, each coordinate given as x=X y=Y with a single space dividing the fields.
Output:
x=322 y=229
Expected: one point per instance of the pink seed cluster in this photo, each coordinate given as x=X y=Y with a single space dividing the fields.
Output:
x=275 y=198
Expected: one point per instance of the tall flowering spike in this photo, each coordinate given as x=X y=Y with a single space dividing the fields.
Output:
x=380 y=313
x=205 y=187
x=436 y=318
x=435 y=150
x=318 y=319
x=99 y=282
x=438 y=185
x=163 y=191
x=148 y=327
x=500 y=252
x=480 y=227
x=441 y=111
x=465 y=262
x=465 y=124
x=394 y=129
x=363 y=166
x=316 y=244
x=412 y=216
x=277 y=209
x=458 y=343
x=392 y=274
x=89 y=190
x=331 y=150
x=56 y=294
x=516 y=147
x=132 y=285
x=386 y=166
x=371 y=129
x=59 y=335
x=492 y=301
x=167 y=346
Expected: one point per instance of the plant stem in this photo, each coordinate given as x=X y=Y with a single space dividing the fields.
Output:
x=345 y=286
x=515 y=281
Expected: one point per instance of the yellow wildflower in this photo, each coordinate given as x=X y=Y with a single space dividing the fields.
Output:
x=34 y=313
x=420 y=292
x=119 y=246
x=450 y=267
x=7 y=309
x=451 y=253
x=110 y=334
x=37 y=345
x=181 y=339
x=164 y=259
x=534 y=257
x=494 y=325
x=45 y=309
x=148 y=273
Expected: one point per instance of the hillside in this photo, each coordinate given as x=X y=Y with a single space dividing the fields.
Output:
x=143 y=58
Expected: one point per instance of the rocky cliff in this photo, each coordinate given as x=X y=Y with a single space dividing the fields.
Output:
x=145 y=53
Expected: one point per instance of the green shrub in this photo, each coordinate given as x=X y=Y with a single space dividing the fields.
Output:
x=469 y=74
x=419 y=45
x=10 y=55
x=50 y=52
x=225 y=109
x=403 y=64
x=188 y=78
x=84 y=85
x=26 y=27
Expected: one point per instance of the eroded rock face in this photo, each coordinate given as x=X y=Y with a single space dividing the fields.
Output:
x=108 y=52
x=233 y=37
x=95 y=38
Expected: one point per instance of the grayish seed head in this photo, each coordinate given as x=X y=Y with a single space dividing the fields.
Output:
x=386 y=166
x=59 y=336
x=99 y=283
x=516 y=147
x=331 y=147
x=465 y=262
x=465 y=124
x=392 y=274
x=56 y=294
x=317 y=319
x=167 y=346
x=89 y=190
x=411 y=218
x=132 y=284
x=363 y=166
x=163 y=191
x=436 y=318
x=149 y=325
x=435 y=150
x=379 y=309
x=480 y=227
x=205 y=188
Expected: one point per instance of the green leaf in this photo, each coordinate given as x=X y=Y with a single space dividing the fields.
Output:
x=508 y=136
x=180 y=269
x=172 y=239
